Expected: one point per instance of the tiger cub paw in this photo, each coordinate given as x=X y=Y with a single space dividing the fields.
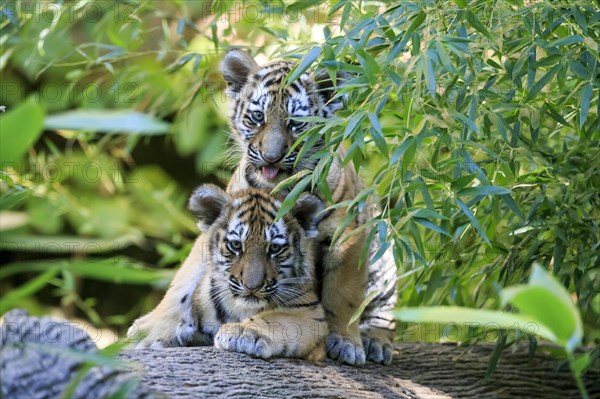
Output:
x=245 y=338
x=154 y=332
x=345 y=350
x=378 y=345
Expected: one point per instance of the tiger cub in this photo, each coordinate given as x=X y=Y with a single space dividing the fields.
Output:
x=249 y=284
x=264 y=123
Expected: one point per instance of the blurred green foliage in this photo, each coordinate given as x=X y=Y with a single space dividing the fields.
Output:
x=475 y=124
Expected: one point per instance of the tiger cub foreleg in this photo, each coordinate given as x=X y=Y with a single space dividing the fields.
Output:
x=377 y=323
x=342 y=292
x=292 y=333
x=172 y=322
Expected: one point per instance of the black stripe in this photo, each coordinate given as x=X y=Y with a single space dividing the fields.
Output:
x=218 y=305
x=325 y=216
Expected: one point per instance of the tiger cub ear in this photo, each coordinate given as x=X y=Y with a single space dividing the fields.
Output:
x=208 y=203
x=236 y=67
x=306 y=212
x=326 y=89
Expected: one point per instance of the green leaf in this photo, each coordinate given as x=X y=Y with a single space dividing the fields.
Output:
x=473 y=220
x=107 y=121
x=484 y=190
x=545 y=300
x=377 y=135
x=353 y=123
x=544 y=80
x=476 y=23
x=12 y=298
x=565 y=41
x=104 y=269
x=401 y=150
x=362 y=307
x=290 y=181
x=13 y=197
x=555 y=115
x=419 y=19
x=430 y=76
x=431 y=226
x=292 y=197
x=68 y=244
x=19 y=130
x=493 y=363
x=586 y=98
x=474 y=318
x=304 y=64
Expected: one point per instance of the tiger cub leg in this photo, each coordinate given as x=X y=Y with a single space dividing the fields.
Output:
x=378 y=324
x=172 y=322
x=293 y=333
x=342 y=292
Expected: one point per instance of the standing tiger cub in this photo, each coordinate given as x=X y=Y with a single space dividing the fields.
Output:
x=264 y=124
x=248 y=285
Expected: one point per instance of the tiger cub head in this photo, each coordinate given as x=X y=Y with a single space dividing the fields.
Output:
x=264 y=110
x=257 y=261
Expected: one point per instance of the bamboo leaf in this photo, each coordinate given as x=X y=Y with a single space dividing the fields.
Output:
x=586 y=98
x=473 y=219
x=304 y=64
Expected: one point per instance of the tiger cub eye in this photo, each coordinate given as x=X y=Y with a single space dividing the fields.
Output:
x=257 y=117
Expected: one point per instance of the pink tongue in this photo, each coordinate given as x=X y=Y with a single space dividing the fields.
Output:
x=269 y=172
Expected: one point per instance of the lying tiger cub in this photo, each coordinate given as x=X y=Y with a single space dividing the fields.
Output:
x=250 y=287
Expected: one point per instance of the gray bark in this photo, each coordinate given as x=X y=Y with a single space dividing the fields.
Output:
x=40 y=358
x=418 y=371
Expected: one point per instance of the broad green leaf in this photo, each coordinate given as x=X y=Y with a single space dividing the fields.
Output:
x=353 y=124
x=586 y=98
x=304 y=64
x=19 y=130
x=565 y=41
x=544 y=80
x=547 y=301
x=418 y=20
x=431 y=226
x=475 y=318
x=292 y=197
x=476 y=23
x=377 y=135
x=430 y=76
x=484 y=190
x=555 y=115
x=107 y=121
x=402 y=148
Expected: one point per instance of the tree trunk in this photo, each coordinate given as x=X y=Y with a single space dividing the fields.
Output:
x=418 y=371
x=41 y=358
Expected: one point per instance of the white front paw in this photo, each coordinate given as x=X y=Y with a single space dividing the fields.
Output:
x=244 y=339
x=156 y=333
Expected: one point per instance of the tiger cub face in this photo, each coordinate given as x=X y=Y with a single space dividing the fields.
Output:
x=264 y=111
x=257 y=262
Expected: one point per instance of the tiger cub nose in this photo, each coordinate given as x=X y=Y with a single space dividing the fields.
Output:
x=273 y=158
x=254 y=282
